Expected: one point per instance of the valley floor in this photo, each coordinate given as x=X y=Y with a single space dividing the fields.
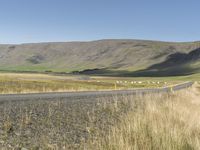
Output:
x=12 y=83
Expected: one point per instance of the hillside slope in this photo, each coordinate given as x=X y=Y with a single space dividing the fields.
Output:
x=111 y=57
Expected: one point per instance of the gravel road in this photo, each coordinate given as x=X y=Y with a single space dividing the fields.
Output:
x=89 y=94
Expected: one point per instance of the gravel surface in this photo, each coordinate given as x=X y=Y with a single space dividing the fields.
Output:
x=60 y=123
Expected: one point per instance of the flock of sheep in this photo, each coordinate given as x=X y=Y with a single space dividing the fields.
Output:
x=140 y=82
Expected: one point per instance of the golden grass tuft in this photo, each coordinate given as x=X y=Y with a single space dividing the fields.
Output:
x=163 y=121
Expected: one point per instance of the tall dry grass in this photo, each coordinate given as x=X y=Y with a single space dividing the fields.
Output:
x=156 y=122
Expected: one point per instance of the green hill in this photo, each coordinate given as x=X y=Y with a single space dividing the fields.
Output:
x=105 y=57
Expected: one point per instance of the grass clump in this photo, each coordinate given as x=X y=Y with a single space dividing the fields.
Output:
x=169 y=122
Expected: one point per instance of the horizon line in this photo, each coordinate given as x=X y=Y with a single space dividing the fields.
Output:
x=95 y=40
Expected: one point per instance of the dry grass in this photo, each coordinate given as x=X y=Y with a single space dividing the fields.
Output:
x=169 y=122
x=153 y=122
x=11 y=83
x=37 y=83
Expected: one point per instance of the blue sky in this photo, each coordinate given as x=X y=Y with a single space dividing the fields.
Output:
x=27 y=21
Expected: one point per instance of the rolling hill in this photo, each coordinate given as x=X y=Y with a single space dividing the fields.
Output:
x=105 y=57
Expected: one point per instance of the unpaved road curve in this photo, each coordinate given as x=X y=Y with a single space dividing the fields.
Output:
x=89 y=94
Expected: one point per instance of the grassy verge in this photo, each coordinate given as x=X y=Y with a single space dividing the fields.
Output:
x=169 y=122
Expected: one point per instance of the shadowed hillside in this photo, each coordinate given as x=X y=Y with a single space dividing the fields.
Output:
x=175 y=64
x=105 y=57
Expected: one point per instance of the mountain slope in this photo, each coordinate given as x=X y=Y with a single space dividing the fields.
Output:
x=113 y=57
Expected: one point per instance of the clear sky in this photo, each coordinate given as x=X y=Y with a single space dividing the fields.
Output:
x=27 y=21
